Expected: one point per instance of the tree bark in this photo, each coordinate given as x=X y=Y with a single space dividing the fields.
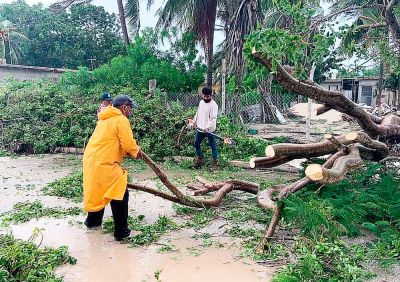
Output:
x=340 y=168
x=392 y=21
x=122 y=20
x=267 y=162
x=333 y=98
x=210 y=55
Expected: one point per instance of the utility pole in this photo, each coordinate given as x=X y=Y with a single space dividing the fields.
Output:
x=309 y=106
x=91 y=63
x=380 y=88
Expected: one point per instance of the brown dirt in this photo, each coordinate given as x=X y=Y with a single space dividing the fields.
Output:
x=295 y=130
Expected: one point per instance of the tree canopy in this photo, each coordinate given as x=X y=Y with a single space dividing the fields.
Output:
x=69 y=39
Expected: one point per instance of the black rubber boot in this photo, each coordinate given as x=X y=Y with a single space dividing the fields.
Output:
x=120 y=214
x=94 y=219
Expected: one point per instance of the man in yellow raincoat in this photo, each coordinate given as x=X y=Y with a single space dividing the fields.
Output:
x=104 y=179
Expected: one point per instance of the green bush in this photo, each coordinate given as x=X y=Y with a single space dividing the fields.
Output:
x=324 y=261
x=43 y=115
x=366 y=200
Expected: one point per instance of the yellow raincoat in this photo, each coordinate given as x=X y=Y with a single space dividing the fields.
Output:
x=104 y=179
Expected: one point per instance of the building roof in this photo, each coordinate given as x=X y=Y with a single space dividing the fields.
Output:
x=352 y=78
x=45 y=69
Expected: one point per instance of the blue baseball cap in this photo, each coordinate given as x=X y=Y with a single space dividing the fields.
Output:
x=106 y=96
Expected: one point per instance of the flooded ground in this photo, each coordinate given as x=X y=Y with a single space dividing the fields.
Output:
x=99 y=257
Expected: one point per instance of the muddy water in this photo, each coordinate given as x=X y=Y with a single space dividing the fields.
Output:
x=21 y=179
x=99 y=257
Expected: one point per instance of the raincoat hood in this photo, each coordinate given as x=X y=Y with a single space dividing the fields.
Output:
x=108 y=112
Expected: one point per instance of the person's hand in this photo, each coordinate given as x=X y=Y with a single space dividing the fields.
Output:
x=190 y=124
x=139 y=155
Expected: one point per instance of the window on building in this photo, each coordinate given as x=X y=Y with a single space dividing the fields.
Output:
x=366 y=95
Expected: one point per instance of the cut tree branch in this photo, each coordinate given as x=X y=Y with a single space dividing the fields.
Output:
x=332 y=98
x=299 y=151
x=221 y=188
x=265 y=199
x=340 y=168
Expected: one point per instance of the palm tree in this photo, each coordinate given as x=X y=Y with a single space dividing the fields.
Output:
x=9 y=41
x=123 y=21
x=197 y=16
x=128 y=13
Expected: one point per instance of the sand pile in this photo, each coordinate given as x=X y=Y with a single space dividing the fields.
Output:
x=301 y=111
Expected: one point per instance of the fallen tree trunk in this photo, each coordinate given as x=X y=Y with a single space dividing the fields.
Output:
x=300 y=151
x=334 y=99
x=353 y=147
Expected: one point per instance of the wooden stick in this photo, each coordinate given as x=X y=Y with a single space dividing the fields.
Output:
x=164 y=179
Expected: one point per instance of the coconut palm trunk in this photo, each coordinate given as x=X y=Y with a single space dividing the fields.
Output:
x=210 y=54
x=123 y=21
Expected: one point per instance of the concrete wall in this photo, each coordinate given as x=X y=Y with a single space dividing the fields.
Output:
x=336 y=84
x=22 y=73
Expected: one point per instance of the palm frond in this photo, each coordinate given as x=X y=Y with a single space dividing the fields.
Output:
x=132 y=14
x=197 y=16
x=62 y=5
x=205 y=14
x=149 y=4
x=15 y=52
x=16 y=36
x=244 y=20
x=176 y=12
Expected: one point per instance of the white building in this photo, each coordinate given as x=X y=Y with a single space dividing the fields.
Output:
x=359 y=90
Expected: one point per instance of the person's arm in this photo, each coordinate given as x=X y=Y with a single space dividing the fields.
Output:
x=212 y=122
x=126 y=139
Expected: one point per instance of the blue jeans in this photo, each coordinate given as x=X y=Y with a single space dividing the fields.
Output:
x=212 y=141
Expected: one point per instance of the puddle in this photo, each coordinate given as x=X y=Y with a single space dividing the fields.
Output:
x=99 y=257
x=22 y=178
